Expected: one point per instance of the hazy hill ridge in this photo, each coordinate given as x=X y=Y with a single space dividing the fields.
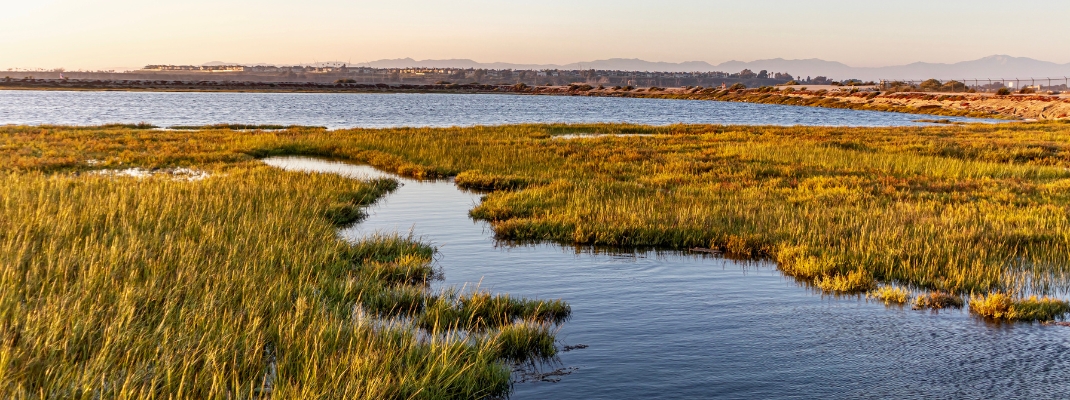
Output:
x=995 y=67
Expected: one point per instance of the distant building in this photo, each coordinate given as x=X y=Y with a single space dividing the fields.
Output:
x=195 y=68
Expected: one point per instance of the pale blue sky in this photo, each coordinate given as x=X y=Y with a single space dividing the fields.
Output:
x=131 y=33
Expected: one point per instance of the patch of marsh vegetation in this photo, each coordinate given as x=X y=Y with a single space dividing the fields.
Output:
x=234 y=286
x=238 y=127
x=478 y=180
x=940 y=121
x=851 y=282
x=1000 y=306
x=937 y=301
x=993 y=306
x=890 y=295
x=944 y=209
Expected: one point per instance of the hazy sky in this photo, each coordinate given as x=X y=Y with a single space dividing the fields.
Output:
x=105 y=34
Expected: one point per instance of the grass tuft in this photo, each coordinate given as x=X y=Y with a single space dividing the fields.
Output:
x=1001 y=306
x=480 y=311
x=477 y=180
x=890 y=295
x=525 y=342
x=852 y=282
x=937 y=301
x=241 y=127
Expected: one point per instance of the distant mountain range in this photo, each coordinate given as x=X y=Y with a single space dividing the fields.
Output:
x=994 y=67
x=999 y=66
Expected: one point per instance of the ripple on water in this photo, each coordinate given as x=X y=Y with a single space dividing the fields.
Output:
x=348 y=110
x=677 y=325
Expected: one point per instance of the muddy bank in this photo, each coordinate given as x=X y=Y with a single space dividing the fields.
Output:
x=1039 y=107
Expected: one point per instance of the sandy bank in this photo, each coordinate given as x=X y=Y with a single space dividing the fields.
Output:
x=1039 y=107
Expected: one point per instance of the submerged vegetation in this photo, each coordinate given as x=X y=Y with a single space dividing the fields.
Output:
x=233 y=286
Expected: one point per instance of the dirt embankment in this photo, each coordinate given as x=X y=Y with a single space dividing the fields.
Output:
x=1039 y=107
x=976 y=105
x=1025 y=107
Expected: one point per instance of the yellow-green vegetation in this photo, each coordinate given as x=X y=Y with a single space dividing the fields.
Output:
x=851 y=282
x=952 y=209
x=477 y=180
x=1001 y=306
x=937 y=301
x=234 y=286
x=890 y=295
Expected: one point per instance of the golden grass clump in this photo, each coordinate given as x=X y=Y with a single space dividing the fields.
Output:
x=1001 y=306
x=937 y=301
x=890 y=295
x=852 y=282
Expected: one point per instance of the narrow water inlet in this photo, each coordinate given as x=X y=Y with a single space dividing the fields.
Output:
x=670 y=324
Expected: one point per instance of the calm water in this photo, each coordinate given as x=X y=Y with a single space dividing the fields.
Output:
x=673 y=325
x=391 y=110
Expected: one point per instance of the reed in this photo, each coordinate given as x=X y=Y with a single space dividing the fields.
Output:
x=955 y=209
x=852 y=282
x=237 y=127
x=890 y=295
x=1000 y=306
x=234 y=286
x=477 y=180
x=937 y=301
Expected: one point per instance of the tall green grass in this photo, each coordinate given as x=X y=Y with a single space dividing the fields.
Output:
x=235 y=286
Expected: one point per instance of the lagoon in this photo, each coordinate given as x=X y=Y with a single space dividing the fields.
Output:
x=365 y=110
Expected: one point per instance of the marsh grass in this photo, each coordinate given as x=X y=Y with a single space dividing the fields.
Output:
x=955 y=209
x=1000 y=306
x=139 y=125
x=240 y=127
x=480 y=310
x=852 y=282
x=937 y=301
x=235 y=286
x=890 y=295
x=477 y=180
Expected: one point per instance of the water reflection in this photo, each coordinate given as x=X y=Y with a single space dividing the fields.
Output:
x=676 y=325
x=340 y=110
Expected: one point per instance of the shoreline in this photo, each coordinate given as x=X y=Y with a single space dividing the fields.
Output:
x=1013 y=107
